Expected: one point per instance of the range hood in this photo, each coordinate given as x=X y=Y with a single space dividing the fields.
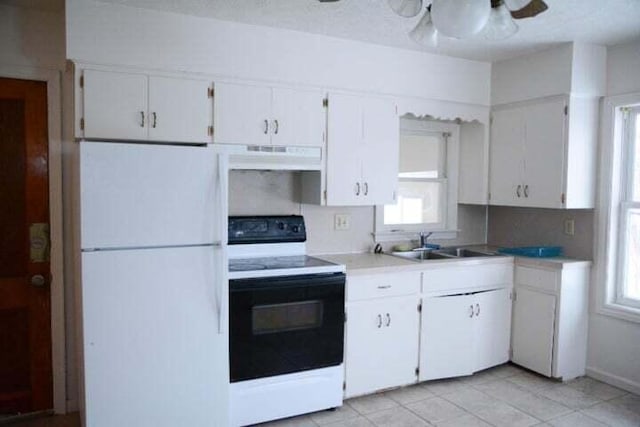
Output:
x=272 y=157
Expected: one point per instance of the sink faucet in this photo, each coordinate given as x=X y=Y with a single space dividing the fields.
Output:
x=423 y=238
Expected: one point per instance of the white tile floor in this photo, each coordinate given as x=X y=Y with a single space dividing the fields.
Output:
x=503 y=396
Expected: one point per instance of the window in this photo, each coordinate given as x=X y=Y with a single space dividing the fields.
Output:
x=427 y=187
x=628 y=281
x=617 y=267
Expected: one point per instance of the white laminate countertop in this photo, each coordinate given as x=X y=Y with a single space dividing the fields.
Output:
x=368 y=263
x=557 y=263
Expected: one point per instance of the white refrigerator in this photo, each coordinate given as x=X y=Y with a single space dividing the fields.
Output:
x=154 y=291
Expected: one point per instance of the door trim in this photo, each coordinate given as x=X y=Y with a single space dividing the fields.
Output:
x=54 y=123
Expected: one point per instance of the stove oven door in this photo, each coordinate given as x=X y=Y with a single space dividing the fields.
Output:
x=281 y=325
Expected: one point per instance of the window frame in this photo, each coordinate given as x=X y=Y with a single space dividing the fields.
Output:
x=613 y=180
x=448 y=228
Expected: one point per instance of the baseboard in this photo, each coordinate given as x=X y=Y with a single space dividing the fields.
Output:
x=614 y=380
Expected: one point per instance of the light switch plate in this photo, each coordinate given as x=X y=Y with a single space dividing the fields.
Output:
x=342 y=221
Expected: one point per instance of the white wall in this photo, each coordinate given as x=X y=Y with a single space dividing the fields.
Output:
x=614 y=344
x=113 y=34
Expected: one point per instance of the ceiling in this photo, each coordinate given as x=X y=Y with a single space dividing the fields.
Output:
x=605 y=22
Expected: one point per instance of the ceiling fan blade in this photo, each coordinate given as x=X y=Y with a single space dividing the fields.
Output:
x=535 y=7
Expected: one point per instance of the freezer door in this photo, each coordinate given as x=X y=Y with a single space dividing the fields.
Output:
x=153 y=354
x=141 y=195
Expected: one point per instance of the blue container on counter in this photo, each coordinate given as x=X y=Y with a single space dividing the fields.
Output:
x=533 y=251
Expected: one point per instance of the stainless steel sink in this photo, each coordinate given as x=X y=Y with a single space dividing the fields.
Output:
x=423 y=255
x=463 y=253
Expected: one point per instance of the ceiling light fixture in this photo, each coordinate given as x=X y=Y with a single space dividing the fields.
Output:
x=466 y=19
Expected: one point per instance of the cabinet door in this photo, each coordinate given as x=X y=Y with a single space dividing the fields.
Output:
x=505 y=173
x=492 y=324
x=297 y=117
x=242 y=114
x=180 y=110
x=115 y=105
x=381 y=344
x=533 y=330
x=446 y=342
x=380 y=151
x=344 y=150
x=544 y=154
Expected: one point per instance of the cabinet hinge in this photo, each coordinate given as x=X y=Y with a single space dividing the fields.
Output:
x=210 y=130
x=324 y=194
x=420 y=307
x=563 y=198
x=417 y=371
x=566 y=110
x=82 y=124
x=325 y=102
x=396 y=109
x=82 y=81
x=210 y=92
x=491 y=119
x=489 y=196
x=344 y=385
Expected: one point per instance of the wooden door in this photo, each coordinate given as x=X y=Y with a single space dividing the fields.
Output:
x=344 y=151
x=507 y=145
x=25 y=312
x=446 y=342
x=381 y=152
x=534 y=315
x=492 y=324
x=180 y=110
x=242 y=114
x=382 y=344
x=115 y=105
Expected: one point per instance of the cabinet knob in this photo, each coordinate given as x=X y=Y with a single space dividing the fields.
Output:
x=471 y=310
x=518 y=190
x=276 y=126
x=38 y=280
x=155 y=119
x=357 y=188
x=526 y=190
x=388 y=320
x=142 y=119
x=379 y=321
x=477 y=310
x=266 y=126
x=366 y=188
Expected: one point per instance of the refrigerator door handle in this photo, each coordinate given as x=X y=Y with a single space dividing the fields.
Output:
x=222 y=232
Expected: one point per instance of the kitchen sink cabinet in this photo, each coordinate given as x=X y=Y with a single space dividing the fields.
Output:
x=133 y=106
x=263 y=115
x=362 y=150
x=543 y=153
x=476 y=336
x=382 y=332
x=550 y=315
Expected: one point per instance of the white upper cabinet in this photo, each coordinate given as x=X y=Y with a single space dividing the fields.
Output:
x=115 y=105
x=129 y=106
x=179 y=109
x=362 y=150
x=262 y=115
x=543 y=153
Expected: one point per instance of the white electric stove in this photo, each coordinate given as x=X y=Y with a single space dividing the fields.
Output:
x=286 y=337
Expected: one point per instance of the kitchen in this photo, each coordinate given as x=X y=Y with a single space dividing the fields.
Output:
x=463 y=91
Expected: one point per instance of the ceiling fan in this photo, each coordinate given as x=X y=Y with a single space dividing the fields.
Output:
x=460 y=19
x=463 y=19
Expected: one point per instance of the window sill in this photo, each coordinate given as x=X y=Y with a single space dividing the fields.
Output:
x=619 y=311
x=397 y=236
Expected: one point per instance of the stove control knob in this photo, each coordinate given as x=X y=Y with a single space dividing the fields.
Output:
x=281 y=225
x=295 y=228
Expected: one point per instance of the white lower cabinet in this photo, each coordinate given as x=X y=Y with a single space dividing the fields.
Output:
x=464 y=333
x=382 y=332
x=550 y=315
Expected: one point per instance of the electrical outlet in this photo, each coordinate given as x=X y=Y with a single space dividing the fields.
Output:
x=342 y=222
x=569 y=227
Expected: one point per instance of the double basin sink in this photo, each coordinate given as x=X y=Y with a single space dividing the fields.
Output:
x=444 y=253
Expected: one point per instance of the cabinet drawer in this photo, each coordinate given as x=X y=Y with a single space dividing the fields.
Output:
x=537 y=278
x=382 y=285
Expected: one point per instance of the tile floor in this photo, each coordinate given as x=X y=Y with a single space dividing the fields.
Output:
x=503 y=396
